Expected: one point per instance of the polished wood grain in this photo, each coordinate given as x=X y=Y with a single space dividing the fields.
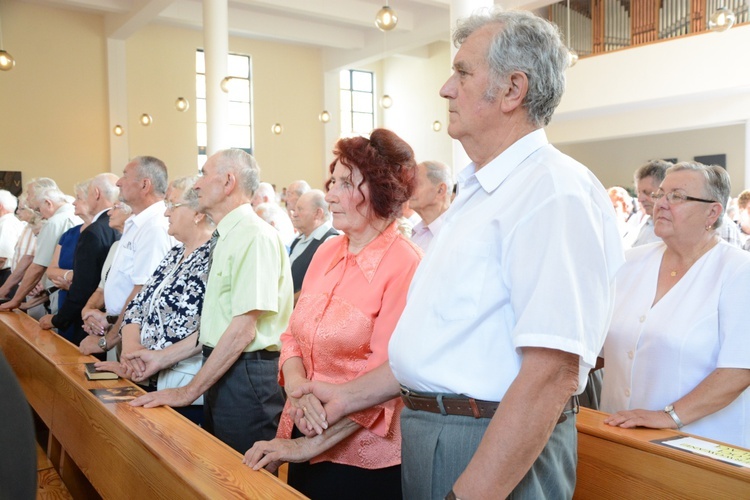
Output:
x=625 y=464
x=123 y=451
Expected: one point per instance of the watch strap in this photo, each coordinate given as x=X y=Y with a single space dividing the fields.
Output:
x=669 y=410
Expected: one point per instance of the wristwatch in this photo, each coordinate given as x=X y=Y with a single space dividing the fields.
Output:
x=669 y=410
x=103 y=344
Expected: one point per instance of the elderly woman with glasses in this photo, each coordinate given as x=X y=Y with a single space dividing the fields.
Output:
x=168 y=308
x=678 y=352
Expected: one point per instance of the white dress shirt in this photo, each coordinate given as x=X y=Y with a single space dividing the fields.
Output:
x=143 y=245
x=656 y=354
x=646 y=233
x=526 y=257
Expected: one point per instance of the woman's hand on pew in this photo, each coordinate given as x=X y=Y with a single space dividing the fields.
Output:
x=627 y=419
x=271 y=454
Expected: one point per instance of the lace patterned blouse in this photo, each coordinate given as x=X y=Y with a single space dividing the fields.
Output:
x=349 y=306
x=168 y=307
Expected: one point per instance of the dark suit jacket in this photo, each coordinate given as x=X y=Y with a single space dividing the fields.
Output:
x=302 y=262
x=91 y=251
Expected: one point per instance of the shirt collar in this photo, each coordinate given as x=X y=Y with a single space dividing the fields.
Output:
x=370 y=257
x=152 y=210
x=96 y=217
x=496 y=171
x=233 y=218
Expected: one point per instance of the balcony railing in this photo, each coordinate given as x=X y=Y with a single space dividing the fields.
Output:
x=598 y=26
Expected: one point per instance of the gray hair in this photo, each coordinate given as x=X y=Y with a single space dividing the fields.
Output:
x=125 y=207
x=243 y=165
x=717 y=186
x=318 y=201
x=265 y=190
x=653 y=168
x=298 y=187
x=107 y=185
x=185 y=184
x=526 y=43
x=155 y=170
x=82 y=188
x=438 y=172
x=278 y=218
x=8 y=201
x=52 y=194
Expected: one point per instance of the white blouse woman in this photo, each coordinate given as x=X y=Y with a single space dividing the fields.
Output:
x=678 y=351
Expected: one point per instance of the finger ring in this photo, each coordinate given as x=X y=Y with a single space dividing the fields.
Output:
x=304 y=409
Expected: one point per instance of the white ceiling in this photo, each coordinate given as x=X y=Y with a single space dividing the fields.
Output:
x=343 y=29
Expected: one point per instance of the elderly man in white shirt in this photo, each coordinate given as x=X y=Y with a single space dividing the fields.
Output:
x=144 y=243
x=431 y=199
x=45 y=198
x=313 y=221
x=10 y=230
x=499 y=331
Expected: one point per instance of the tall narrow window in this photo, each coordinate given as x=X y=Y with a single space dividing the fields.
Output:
x=240 y=104
x=357 y=102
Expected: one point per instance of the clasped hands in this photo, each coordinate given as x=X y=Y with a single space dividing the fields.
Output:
x=312 y=408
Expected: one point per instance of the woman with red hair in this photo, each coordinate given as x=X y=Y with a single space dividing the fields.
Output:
x=351 y=299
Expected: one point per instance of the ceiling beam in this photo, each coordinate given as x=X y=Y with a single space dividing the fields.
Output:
x=250 y=24
x=351 y=12
x=143 y=12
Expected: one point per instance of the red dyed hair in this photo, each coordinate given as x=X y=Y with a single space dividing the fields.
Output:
x=387 y=165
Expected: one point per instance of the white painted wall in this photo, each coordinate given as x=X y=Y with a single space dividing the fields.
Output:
x=614 y=160
x=414 y=82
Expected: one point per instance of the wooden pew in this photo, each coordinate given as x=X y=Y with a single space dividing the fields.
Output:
x=114 y=450
x=624 y=463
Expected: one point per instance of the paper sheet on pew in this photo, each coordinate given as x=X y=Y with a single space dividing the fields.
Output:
x=716 y=451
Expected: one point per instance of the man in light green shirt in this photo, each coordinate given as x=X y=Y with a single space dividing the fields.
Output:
x=247 y=306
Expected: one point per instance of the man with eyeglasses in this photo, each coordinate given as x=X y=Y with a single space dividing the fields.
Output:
x=45 y=198
x=144 y=243
x=647 y=179
x=90 y=254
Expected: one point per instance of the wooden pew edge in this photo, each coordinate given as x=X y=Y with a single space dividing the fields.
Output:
x=591 y=422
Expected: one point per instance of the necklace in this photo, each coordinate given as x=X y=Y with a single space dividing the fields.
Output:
x=692 y=261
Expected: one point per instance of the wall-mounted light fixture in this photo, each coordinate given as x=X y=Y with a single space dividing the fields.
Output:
x=386 y=18
x=324 y=116
x=225 y=84
x=118 y=130
x=277 y=128
x=437 y=126
x=6 y=60
x=182 y=104
x=146 y=119
x=386 y=101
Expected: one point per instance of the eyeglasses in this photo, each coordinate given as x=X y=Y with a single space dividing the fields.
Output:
x=171 y=206
x=676 y=197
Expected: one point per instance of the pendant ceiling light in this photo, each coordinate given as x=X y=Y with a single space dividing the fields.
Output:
x=6 y=60
x=721 y=20
x=386 y=18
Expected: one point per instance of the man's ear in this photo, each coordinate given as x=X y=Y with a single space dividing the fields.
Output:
x=515 y=92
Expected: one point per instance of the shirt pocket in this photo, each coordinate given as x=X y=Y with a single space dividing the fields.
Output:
x=465 y=273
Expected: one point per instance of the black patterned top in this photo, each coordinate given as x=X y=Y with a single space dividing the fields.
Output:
x=168 y=307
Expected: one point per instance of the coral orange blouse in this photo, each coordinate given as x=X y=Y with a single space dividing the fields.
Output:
x=348 y=308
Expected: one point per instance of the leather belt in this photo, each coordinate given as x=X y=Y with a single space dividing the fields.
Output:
x=453 y=404
x=262 y=354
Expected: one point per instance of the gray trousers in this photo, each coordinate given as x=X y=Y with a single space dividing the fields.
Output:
x=244 y=405
x=436 y=449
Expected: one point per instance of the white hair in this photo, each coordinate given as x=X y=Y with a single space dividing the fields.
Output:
x=278 y=218
x=8 y=201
